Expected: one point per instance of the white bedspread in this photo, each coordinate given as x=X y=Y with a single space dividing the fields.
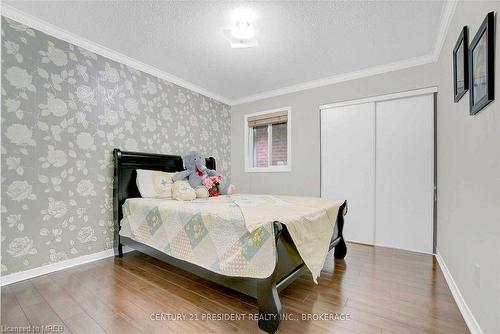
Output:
x=232 y=235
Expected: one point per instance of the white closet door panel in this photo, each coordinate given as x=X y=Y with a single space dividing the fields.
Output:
x=347 y=165
x=405 y=173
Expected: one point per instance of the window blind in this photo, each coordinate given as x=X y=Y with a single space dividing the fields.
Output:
x=271 y=118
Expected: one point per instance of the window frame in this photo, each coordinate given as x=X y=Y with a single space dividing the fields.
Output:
x=249 y=149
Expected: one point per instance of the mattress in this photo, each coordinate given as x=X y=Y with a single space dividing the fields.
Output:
x=210 y=233
x=232 y=235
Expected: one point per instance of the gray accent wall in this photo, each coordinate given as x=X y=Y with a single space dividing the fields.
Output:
x=64 y=109
x=468 y=157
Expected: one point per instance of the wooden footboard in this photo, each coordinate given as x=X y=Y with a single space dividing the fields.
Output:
x=289 y=266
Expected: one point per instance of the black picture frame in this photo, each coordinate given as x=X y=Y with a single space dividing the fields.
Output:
x=482 y=66
x=460 y=65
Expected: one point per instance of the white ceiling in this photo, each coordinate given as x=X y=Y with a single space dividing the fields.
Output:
x=299 y=42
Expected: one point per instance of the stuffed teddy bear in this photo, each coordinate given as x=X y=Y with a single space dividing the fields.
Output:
x=196 y=171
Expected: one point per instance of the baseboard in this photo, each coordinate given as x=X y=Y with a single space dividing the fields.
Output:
x=50 y=268
x=469 y=318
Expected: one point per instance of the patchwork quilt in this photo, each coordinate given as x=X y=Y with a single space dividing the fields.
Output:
x=232 y=235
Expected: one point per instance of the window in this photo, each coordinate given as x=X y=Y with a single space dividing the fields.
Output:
x=267 y=141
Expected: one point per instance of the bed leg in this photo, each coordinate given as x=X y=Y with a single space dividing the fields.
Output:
x=269 y=305
x=340 y=250
x=267 y=295
x=118 y=250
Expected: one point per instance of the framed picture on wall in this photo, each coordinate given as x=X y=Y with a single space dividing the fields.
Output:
x=460 y=66
x=482 y=65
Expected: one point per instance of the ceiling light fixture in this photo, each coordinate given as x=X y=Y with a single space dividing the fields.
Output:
x=242 y=14
x=242 y=33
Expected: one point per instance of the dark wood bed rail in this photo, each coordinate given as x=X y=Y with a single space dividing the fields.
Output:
x=289 y=264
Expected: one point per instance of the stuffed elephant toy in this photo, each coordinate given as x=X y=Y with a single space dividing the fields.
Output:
x=195 y=172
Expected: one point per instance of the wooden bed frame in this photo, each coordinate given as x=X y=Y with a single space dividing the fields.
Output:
x=289 y=264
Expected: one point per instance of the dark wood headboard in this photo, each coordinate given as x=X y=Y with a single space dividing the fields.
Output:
x=125 y=166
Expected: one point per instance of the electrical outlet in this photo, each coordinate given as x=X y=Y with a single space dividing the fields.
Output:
x=477 y=275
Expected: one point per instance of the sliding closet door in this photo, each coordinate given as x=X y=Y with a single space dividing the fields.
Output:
x=405 y=173
x=347 y=165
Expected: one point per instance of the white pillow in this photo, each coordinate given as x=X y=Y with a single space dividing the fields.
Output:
x=153 y=183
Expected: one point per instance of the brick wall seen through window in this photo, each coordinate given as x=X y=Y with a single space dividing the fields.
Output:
x=260 y=146
x=279 y=145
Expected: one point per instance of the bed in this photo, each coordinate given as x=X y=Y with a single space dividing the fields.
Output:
x=288 y=263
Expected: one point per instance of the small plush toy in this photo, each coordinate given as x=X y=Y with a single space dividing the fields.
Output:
x=196 y=172
x=182 y=191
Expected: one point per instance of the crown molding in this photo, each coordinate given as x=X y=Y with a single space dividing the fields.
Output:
x=337 y=79
x=446 y=17
x=50 y=29
x=433 y=56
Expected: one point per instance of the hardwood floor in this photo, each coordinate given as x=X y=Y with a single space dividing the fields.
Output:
x=379 y=290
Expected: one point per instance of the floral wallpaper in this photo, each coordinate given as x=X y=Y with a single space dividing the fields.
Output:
x=64 y=109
